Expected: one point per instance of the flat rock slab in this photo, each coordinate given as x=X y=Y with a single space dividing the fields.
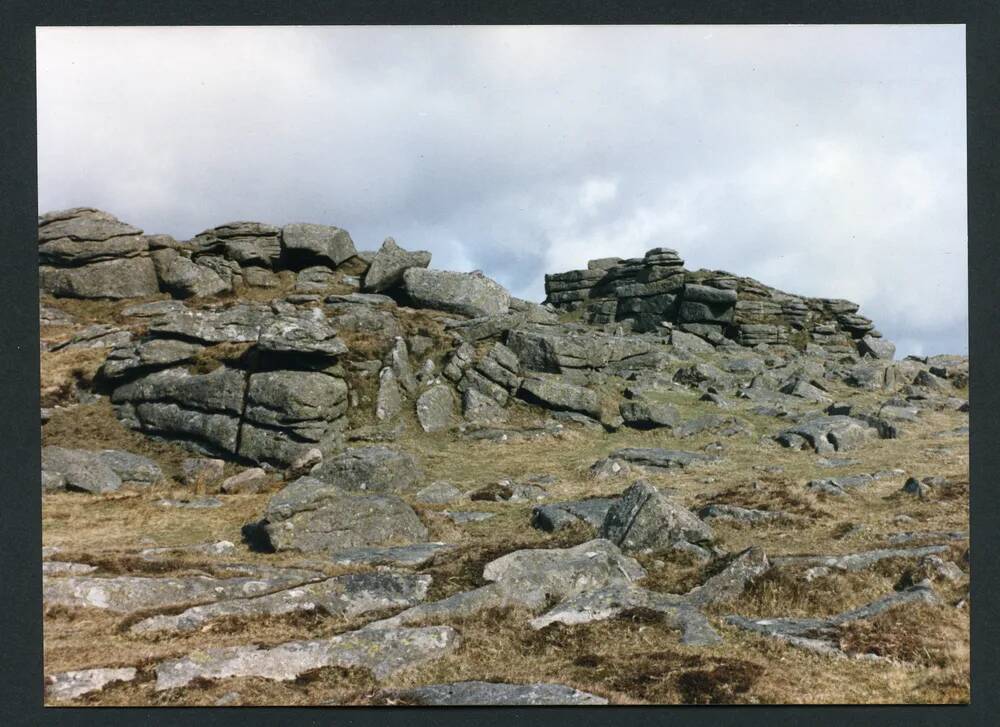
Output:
x=605 y=603
x=909 y=537
x=72 y=684
x=128 y=594
x=438 y=493
x=370 y=469
x=679 y=611
x=312 y=517
x=742 y=514
x=827 y=434
x=341 y=596
x=460 y=518
x=854 y=561
x=489 y=694
x=62 y=568
x=561 y=515
x=412 y=556
x=96 y=471
x=655 y=458
x=820 y=634
x=528 y=578
x=197 y=503
x=840 y=486
x=381 y=651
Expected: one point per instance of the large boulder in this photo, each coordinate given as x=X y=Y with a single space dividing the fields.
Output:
x=312 y=516
x=389 y=264
x=308 y=244
x=245 y=243
x=827 y=434
x=370 y=469
x=553 y=393
x=877 y=347
x=95 y=471
x=131 y=277
x=468 y=294
x=644 y=519
x=435 y=408
x=184 y=278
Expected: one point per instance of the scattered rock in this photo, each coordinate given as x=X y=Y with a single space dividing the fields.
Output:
x=821 y=634
x=249 y=480
x=561 y=515
x=72 y=684
x=489 y=694
x=96 y=472
x=342 y=596
x=202 y=471
x=644 y=519
x=438 y=493
x=381 y=651
x=311 y=515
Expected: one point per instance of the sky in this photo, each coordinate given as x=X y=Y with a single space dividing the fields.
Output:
x=827 y=161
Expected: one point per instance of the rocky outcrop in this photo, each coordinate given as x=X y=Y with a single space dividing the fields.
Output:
x=467 y=294
x=646 y=293
x=389 y=264
x=87 y=253
x=271 y=398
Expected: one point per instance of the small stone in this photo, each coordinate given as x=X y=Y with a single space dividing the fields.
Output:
x=249 y=480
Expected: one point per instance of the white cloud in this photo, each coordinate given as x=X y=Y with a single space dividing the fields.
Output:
x=767 y=151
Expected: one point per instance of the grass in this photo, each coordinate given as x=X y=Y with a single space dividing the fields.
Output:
x=628 y=660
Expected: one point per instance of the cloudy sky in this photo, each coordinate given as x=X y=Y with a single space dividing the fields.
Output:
x=824 y=160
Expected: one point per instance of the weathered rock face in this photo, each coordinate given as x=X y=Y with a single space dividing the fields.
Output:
x=381 y=651
x=562 y=349
x=271 y=402
x=95 y=471
x=827 y=434
x=307 y=244
x=87 y=253
x=646 y=292
x=468 y=294
x=552 y=393
x=389 y=264
x=644 y=519
x=370 y=469
x=72 y=242
x=314 y=516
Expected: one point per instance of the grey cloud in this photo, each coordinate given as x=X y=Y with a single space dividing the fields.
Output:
x=822 y=160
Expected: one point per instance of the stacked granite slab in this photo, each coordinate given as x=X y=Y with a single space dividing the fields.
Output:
x=654 y=290
x=86 y=253
x=273 y=392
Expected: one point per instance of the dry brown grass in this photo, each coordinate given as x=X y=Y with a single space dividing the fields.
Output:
x=64 y=373
x=633 y=659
